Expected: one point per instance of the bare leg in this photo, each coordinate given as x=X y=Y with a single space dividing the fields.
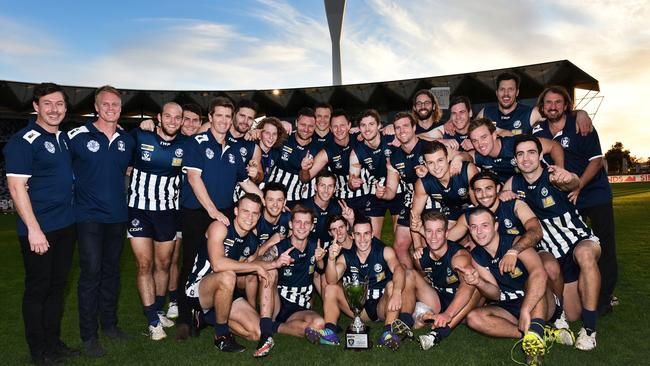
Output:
x=493 y=321
x=144 y=252
x=333 y=303
x=402 y=245
x=377 y=223
x=244 y=320
x=173 y=269
x=163 y=256
x=300 y=320
x=586 y=255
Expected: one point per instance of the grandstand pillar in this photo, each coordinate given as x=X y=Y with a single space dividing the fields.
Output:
x=335 y=10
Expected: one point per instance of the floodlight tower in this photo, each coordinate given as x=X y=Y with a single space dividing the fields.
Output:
x=335 y=10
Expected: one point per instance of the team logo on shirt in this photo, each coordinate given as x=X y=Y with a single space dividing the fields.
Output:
x=507 y=223
x=146 y=156
x=337 y=160
x=209 y=153
x=247 y=251
x=516 y=124
x=49 y=147
x=287 y=272
x=285 y=156
x=451 y=277
x=282 y=230
x=93 y=146
x=178 y=153
x=231 y=158
x=516 y=272
x=513 y=162
x=121 y=146
x=243 y=151
x=565 y=142
x=462 y=191
x=421 y=160
x=387 y=153
x=378 y=268
x=544 y=191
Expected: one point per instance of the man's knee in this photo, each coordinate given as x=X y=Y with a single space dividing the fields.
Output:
x=226 y=280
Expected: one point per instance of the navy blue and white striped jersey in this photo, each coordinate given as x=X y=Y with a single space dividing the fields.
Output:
x=512 y=284
x=320 y=230
x=440 y=273
x=221 y=169
x=460 y=138
x=287 y=168
x=295 y=281
x=265 y=229
x=375 y=268
x=373 y=164
x=156 y=175
x=405 y=164
x=44 y=160
x=100 y=165
x=322 y=141
x=504 y=165
x=235 y=246
x=562 y=225
x=338 y=162
x=509 y=223
x=245 y=149
x=269 y=159
x=517 y=121
x=578 y=152
x=454 y=198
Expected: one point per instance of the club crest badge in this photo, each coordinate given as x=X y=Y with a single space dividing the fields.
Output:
x=121 y=146
x=93 y=146
x=178 y=153
x=565 y=142
x=209 y=153
x=49 y=147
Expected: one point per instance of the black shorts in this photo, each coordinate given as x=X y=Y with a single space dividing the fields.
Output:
x=445 y=299
x=287 y=309
x=371 y=309
x=378 y=207
x=569 y=268
x=511 y=306
x=158 y=225
x=358 y=204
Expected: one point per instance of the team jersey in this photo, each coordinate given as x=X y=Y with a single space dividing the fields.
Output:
x=295 y=281
x=373 y=164
x=454 y=197
x=44 y=159
x=512 y=284
x=221 y=168
x=441 y=273
x=504 y=165
x=287 y=168
x=320 y=230
x=338 y=162
x=562 y=225
x=578 y=152
x=375 y=268
x=405 y=164
x=509 y=223
x=265 y=229
x=321 y=142
x=269 y=159
x=100 y=166
x=156 y=175
x=419 y=129
x=517 y=121
x=236 y=247
x=460 y=138
x=245 y=149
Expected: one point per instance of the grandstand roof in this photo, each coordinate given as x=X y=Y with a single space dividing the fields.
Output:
x=15 y=97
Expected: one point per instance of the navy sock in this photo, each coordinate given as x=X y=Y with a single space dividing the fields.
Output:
x=151 y=314
x=407 y=319
x=443 y=332
x=266 y=326
x=173 y=295
x=160 y=301
x=332 y=327
x=209 y=318
x=221 y=329
x=589 y=319
x=276 y=325
x=387 y=328
x=537 y=326
x=558 y=311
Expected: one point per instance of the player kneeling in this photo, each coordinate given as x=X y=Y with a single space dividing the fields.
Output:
x=368 y=259
x=444 y=298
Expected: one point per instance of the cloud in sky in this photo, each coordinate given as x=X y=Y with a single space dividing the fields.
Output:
x=382 y=40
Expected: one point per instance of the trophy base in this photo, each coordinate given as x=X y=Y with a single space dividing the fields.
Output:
x=357 y=341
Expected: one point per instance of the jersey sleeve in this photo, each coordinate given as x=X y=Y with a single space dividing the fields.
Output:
x=591 y=146
x=18 y=158
x=193 y=159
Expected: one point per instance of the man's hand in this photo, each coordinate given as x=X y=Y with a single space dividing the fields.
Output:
x=421 y=171
x=440 y=320
x=252 y=169
x=470 y=275
x=506 y=196
x=346 y=212
x=388 y=130
x=217 y=215
x=508 y=261
x=252 y=135
x=558 y=175
x=38 y=242
x=450 y=143
x=455 y=166
x=147 y=125
x=307 y=162
x=573 y=195
x=395 y=301
x=355 y=182
x=380 y=190
x=449 y=128
x=284 y=259
x=524 y=321
x=417 y=253
x=334 y=251
x=320 y=252
x=467 y=145
x=262 y=275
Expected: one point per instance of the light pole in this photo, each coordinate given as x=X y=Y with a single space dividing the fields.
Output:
x=335 y=10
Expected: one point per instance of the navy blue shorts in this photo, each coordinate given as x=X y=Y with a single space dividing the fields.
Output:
x=445 y=299
x=378 y=207
x=158 y=225
x=569 y=267
x=286 y=310
x=511 y=306
x=358 y=204
x=371 y=309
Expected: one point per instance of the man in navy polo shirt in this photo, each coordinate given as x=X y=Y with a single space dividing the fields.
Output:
x=593 y=198
x=213 y=170
x=37 y=156
x=101 y=154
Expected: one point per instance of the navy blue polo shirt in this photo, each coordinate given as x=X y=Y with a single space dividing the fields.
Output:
x=578 y=152
x=45 y=160
x=221 y=169
x=99 y=166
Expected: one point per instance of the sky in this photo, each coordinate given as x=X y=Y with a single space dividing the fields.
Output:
x=265 y=44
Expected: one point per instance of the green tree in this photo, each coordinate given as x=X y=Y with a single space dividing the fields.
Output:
x=615 y=157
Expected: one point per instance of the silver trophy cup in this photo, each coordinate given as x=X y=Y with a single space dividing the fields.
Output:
x=356 y=292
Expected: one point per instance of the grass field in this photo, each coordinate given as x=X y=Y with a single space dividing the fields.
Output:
x=622 y=335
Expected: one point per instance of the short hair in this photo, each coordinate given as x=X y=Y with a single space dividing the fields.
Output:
x=485 y=174
x=324 y=174
x=508 y=76
x=437 y=113
x=251 y=197
x=221 y=102
x=483 y=121
x=400 y=115
x=362 y=220
x=300 y=209
x=519 y=139
x=340 y=112
x=44 y=89
x=475 y=211
x=107 y=89
x=334 y=218
x=430 y=147
x=435 y=216
x=457 y=99
x=171 y=103
x=556 y=89
x=194 y=108
x=370 y=113
x=305 y=112
x=246 y=103
x=276 y=187
x=282 y=133
x=324 y=105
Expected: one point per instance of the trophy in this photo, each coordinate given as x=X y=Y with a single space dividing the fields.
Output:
x=356 y=336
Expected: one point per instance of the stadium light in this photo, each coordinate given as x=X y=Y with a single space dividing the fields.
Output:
x=335 y=10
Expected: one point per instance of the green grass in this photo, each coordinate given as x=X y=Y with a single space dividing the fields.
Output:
x=622 y=335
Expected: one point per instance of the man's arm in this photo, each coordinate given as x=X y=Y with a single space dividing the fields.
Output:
x=563 y=179
x=461 y=259
x=584 y=124
x=481 y=278
x=529 y=239
x=249 y=187
x=310 y=167
x=201 y=193
x=554 y=149
x=535 y=285
x=388 y=191
x=458 y=231
x=256 y=162
x=216 y=234
x=354 y=178
x=399 y=278
x=18 y=189
x=335 y=267
x=594 y=166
